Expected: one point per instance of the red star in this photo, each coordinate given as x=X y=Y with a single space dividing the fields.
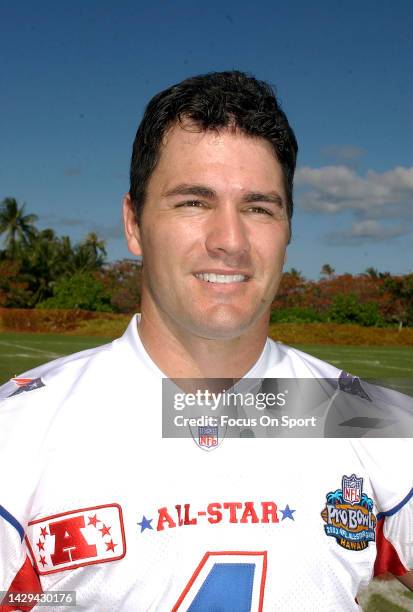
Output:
x=40 y=545
x=110 y=546
x=43 y=560
x=93 y=520
x=105 y=530
x=43 y=531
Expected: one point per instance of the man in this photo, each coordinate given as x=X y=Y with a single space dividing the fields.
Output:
x=94 y=500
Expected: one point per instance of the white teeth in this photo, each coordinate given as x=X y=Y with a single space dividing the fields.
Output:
x=221 y=278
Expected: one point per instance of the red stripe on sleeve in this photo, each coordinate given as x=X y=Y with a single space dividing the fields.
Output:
x=25 y=581
x=387 y=559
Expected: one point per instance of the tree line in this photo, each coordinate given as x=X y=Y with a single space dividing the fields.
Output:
x=40 y=269
x=371 y=298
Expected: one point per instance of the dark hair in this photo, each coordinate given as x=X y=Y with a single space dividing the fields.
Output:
x=212 y=101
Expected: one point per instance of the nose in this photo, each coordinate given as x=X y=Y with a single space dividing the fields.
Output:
x=227 y=233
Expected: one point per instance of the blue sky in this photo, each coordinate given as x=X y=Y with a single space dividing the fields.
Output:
x=76 y=76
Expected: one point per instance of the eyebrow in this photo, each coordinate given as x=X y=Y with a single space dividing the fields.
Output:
x=206 y=192
x=198 y=190
x=271 y=196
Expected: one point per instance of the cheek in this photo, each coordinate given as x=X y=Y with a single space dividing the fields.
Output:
x=172 y=234
x=164 y=256
x=272 y=252
x=156 y=242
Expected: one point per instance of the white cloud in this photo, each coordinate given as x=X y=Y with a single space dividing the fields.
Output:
x=362 y=232
x=334 y=189
x=381 y=203
x=373 y=228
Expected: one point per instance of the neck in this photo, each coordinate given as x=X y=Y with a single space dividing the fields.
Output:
x=182 y=355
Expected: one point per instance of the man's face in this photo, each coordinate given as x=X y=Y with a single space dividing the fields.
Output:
x=213 y=233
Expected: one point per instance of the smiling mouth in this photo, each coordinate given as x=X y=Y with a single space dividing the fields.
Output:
x=221 y=278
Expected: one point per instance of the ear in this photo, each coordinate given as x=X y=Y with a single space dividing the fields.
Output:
x=132 y=232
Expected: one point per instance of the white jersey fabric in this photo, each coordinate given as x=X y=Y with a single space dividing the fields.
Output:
x=94 y=500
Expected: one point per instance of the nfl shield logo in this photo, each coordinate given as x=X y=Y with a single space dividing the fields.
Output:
x=208 y=436
x=352 y=488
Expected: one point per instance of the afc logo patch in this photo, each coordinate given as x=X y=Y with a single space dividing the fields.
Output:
x=79 y=537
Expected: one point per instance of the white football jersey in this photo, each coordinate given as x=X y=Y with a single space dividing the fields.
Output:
x=94 y=500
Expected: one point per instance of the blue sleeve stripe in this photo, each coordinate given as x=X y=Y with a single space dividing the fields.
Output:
x=396 y=508
x=13 y=521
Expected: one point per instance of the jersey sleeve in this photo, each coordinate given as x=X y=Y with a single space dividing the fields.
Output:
x=17 y=574
x=17 y=477
x=389 y=465
x=395 y=539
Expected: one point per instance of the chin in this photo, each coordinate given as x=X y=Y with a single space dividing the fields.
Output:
x=224 y=326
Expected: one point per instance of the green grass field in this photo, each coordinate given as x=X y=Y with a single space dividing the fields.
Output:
x=391 y=365
x=386 y=596
x=20 y=352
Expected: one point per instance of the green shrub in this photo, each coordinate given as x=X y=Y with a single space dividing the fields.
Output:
x=295 y=315
x=80 y=291
x=347 y=309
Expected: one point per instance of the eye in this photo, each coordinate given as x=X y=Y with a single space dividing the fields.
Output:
x=260 y=210
x=190 y=204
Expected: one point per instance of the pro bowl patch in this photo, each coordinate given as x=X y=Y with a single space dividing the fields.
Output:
x=348 y=515
x=79 y=537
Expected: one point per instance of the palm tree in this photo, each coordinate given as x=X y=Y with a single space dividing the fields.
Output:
x=90 y=254
x=97 y=246
x=327 y=270
x=66 y=255
x=335 y=496
x=42 y=264
x=295 y=274
x=366 y=502
x=18 y=227
x=372 y=272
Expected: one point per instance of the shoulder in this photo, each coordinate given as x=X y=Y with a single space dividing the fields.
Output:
x=388 y=462
x=72 y=385
x=290 y=362
x=35 y=402
x=52 y=374
x=69 y=371
x=356 y=408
